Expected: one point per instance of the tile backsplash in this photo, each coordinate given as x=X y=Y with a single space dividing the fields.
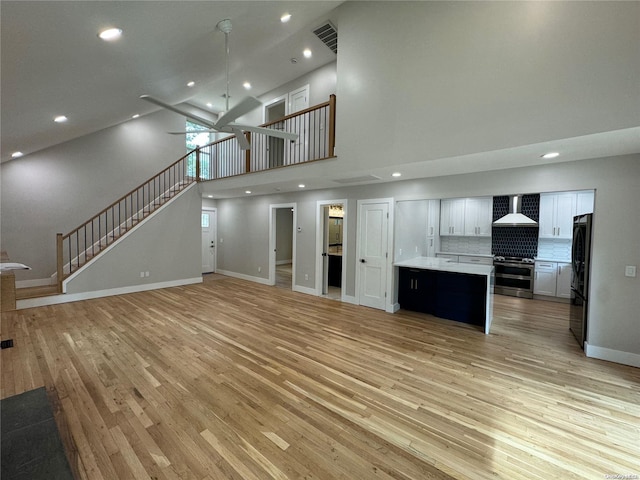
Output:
x=554 y=249
x=472 y=245
x=516 y=241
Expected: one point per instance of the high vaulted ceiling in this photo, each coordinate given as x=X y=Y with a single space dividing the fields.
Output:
x=53 y=62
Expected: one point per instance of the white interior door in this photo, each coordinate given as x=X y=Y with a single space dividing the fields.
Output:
x=208 y=223
x=373 y=234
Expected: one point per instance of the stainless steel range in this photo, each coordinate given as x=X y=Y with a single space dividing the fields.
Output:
x=514 y=276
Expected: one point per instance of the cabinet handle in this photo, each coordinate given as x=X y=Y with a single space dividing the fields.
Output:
x=558 y=231
x=416 y=283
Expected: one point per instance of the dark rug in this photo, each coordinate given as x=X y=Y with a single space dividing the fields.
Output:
x=31 y=445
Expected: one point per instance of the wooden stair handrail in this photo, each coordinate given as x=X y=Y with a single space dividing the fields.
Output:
x=126 y=195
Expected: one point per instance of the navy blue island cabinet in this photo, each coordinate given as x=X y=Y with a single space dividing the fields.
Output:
x=460 y=292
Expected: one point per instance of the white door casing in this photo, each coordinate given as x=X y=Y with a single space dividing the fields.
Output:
x=372 y=263
x=322 y=239
x=209 y=232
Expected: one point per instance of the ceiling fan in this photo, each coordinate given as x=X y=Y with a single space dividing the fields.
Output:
x=226 y=124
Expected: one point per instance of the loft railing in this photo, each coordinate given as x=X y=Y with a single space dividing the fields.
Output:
x=315 y=127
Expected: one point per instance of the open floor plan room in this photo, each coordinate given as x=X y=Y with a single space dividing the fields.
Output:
x=231 y=379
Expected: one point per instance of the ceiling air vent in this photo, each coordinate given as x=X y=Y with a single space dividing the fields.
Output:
x=329 y=36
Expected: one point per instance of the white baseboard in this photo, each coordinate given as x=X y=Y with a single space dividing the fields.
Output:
x=283 y=262
x=617 y=356
x=393 y=308
x=228 y=273
x=350 y=299
x=307 y=290
x=37 y=282
x=76 y=297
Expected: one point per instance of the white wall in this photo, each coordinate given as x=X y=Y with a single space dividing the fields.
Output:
x=57 y=189
x=427 y=80
x=167 y=245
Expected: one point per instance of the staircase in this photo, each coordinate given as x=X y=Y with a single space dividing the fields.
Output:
x=221 y=159
x=90 y=239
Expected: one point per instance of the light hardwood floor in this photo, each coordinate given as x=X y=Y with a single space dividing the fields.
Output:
x=235 y=380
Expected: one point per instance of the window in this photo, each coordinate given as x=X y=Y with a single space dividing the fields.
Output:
x=193 y=141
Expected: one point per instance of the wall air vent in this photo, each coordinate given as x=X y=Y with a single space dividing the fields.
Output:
x=364 y=178
x=329 y=36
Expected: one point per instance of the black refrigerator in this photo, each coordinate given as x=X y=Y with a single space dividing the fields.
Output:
x=580 y=266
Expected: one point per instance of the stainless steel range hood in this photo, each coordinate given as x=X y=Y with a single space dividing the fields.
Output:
x=515 y=218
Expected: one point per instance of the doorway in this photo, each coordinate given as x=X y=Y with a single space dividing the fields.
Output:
x=373 y=262
x=331 y=248
x=275 y=146
x=282 y=245
x=208 y=222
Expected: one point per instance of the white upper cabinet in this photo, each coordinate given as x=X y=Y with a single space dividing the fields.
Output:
x=556 y=215
x=478 y=216
x=452 y=216
x=584 y=202
x=466 y=216
x=433 y=218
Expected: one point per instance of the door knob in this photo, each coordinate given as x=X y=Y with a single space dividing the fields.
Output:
x=362 y=260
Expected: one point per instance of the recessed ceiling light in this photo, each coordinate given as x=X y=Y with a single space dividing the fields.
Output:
x=307 y=53
x=191 y=84
x=247 y=191
x=110 y=34
x=209 y=196
x=302 y=185
x=209 y=104
x=285 y=18
x=247 y=85
x=137 y=115
x=551 y=155
x=60 y=119
x=16 y=154
x=396 y=174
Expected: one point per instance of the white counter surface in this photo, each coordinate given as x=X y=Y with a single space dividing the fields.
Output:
x=444 y=265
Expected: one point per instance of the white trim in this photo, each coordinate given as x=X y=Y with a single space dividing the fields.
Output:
x=76 y=297
x=284 y=262
x=320 y=242
x=393 y=308
x=350 y=299
x=282 y=98
x=242 y=276
x=305 y=290
x=37 y=282
x=610 y=355
x=126 y=234
x=390 y=270
x=272 y=241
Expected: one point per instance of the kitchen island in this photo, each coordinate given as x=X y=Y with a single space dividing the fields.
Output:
x=455 y=291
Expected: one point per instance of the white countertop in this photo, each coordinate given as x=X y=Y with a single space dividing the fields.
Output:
x=444 y=265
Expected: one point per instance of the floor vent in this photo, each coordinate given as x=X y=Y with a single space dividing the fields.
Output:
x=329 y=36
x=6 y=344
x=364 y=178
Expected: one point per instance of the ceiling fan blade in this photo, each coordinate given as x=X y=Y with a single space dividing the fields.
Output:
x=162 y=104
x=242 y=140
x=245 y=106
x=268 y=131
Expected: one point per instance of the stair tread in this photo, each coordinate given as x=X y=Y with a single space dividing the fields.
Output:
x=35 y=292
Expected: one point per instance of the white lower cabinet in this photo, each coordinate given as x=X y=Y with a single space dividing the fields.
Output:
x=545 y=280
x=552 y=279
x=563 y=285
